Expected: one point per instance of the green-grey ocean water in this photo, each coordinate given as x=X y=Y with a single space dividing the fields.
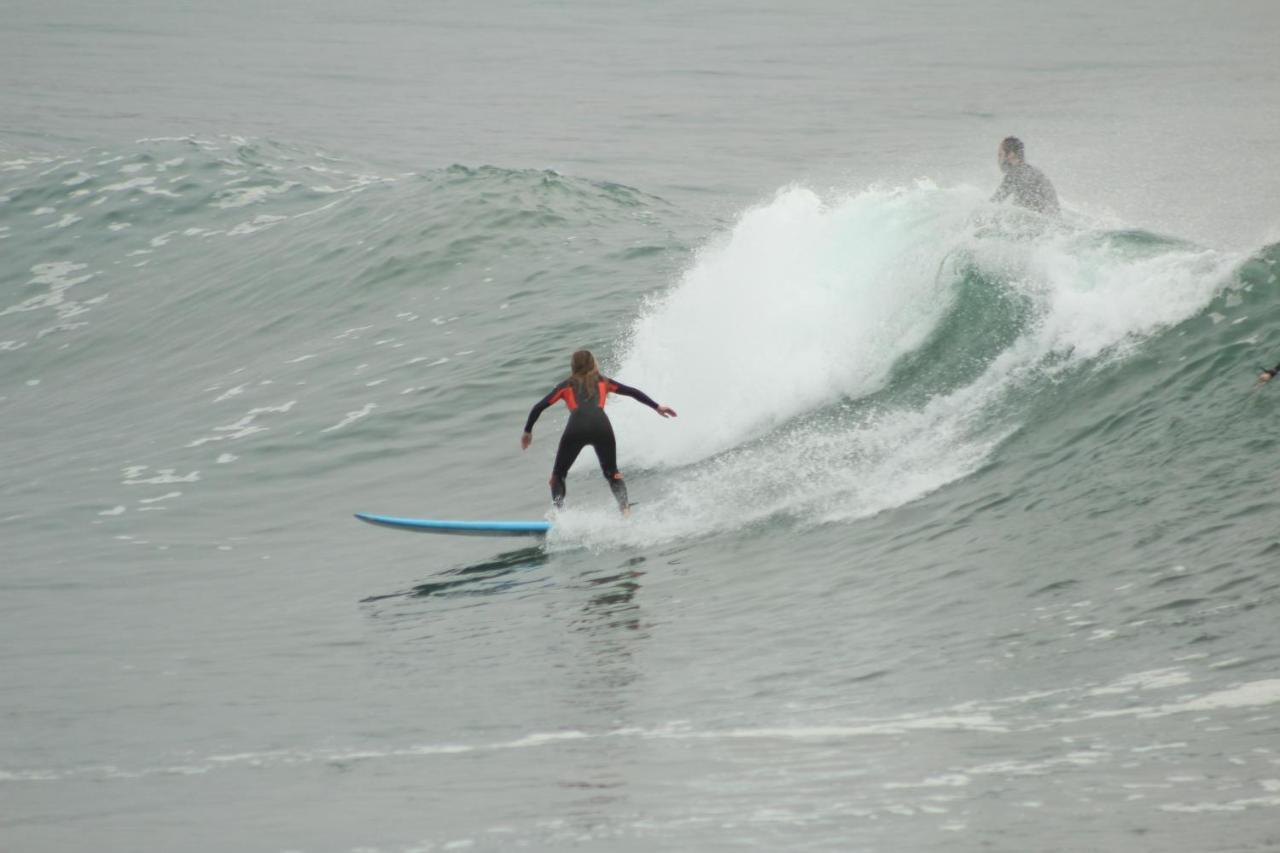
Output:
x=965 y=537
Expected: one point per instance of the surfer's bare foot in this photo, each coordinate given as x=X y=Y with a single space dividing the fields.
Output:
x=626 y=511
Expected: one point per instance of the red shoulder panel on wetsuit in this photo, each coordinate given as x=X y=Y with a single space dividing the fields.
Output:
x=605 y=388
x=566 y=394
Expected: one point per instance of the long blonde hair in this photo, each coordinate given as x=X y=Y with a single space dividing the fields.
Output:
x=584 y=375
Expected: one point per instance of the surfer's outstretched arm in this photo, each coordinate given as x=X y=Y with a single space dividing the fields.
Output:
x=536 y=412
x=636 y=394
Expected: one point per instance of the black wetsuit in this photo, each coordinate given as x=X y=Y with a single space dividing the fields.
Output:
x=1029 y=188
x=588 y=425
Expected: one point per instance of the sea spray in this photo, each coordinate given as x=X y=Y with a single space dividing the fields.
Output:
x=800 y=303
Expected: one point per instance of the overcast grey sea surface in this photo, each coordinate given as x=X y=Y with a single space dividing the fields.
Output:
x=967 y=536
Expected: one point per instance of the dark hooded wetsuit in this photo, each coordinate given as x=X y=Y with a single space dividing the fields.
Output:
x=1029 y=188
x=588 y=424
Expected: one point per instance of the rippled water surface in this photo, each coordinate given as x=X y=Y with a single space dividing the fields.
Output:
x=964 y=538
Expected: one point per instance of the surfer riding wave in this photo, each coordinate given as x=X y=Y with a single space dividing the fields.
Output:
x=585 y=392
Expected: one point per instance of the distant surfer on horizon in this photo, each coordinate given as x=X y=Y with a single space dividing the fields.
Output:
x=584 y=392
x=1026 y=184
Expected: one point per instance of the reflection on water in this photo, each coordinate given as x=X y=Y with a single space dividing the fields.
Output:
x=613 y=604
x=491 y=576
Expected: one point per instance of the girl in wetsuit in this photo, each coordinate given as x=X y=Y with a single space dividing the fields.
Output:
x=584 y=392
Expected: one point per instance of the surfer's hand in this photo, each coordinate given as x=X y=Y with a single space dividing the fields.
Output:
x=1265 y=376
x=526 y=439
x=666 y=411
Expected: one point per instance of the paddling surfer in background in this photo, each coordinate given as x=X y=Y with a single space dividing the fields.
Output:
x=584 y=392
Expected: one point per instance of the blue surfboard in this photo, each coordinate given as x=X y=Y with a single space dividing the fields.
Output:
x=459 y=528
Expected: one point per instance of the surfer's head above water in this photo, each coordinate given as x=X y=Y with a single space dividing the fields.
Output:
x=1010 y=152
x=583 y=371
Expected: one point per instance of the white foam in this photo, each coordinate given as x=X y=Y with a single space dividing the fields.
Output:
x=164 y=497
x=202 y=143
x=131 y=184
x=1154 y=679
x=67 y=219
x=543 y=740
x=352 y=417
x=803 y=302
x=244 y=196
x=1252 y=694
x=60 y=278
x=245 y=426
x=1158 y=747
x=163 y=476
x=313 y=211
x=258 y=223
x=1078 y=758
x=947 y=780
x=1230 y=806
x=23 y=164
